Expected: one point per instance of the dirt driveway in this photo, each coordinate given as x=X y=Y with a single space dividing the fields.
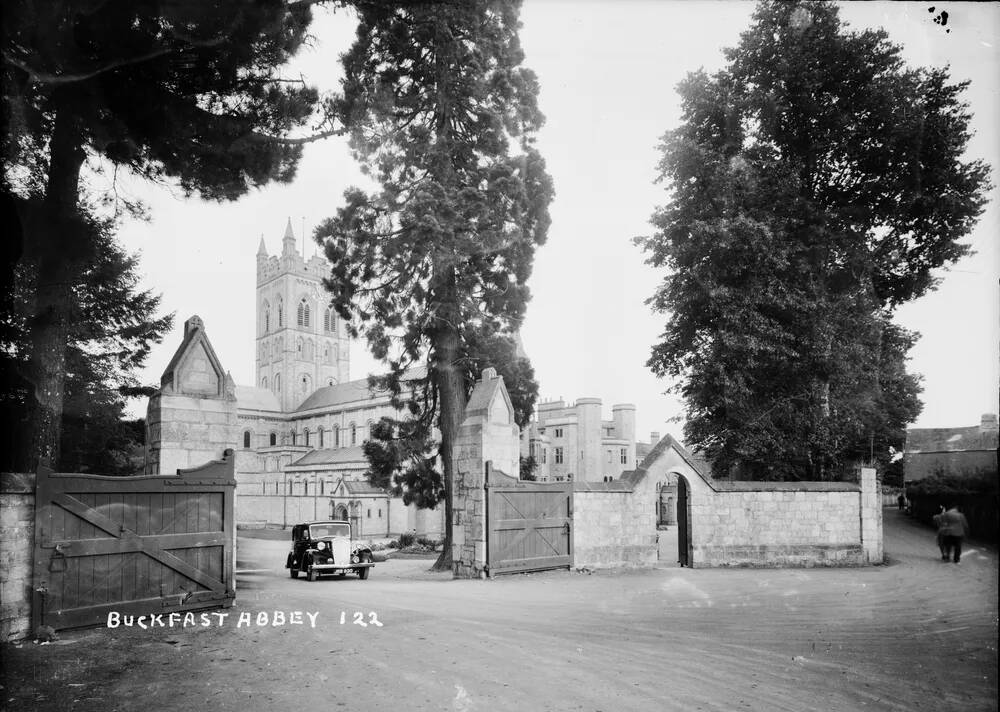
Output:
x=917 y=634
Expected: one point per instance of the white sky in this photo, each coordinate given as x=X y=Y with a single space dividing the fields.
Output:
x=608 y=72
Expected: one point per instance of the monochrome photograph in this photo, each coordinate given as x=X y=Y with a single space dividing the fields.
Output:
x=500 y=355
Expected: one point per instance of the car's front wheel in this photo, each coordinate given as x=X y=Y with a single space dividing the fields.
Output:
x=293 y=572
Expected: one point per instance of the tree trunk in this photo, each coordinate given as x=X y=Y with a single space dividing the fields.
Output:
x=451 y=391
x=56 y=242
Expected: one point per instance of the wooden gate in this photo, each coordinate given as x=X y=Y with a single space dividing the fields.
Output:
x=133 y=545
x=529 y=525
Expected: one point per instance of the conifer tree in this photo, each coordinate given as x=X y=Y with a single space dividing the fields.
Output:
x=181 y=90
x=434 y=99
x=816 y=184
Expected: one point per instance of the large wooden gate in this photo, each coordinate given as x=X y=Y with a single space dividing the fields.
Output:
x=133 y=545
x=529 y=526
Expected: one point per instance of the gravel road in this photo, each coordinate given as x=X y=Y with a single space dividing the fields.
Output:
x=916 y=634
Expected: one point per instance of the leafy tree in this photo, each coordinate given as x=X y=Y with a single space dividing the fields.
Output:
x=528 y=465
x=181 y=90
x=816 y=182
x=433 y=98
x=112 y=327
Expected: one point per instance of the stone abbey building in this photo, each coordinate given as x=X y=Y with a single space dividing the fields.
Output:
x=298 y=430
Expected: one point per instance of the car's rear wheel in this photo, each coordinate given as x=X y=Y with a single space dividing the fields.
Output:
x=293 y=572
x=363 y=573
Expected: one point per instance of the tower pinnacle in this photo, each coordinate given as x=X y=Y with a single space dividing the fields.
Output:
x=288 y=241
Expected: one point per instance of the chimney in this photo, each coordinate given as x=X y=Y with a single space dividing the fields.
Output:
x=489 y=374
x=654 y=437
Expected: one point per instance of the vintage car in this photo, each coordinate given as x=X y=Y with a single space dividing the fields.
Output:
x=326 y=548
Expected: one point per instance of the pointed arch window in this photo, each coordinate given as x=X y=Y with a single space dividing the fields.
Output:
x=306 y=434
x=330 y=320
x=246 y=439
x=354 y=434
x=303 y=313
x=277 y=383
x=336 y=436
x=274 y=439
x=321 y=438
x=263 y=383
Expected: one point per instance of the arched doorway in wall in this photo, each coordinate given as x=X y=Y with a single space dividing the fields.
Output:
x=340 y=512
x=666 y=521
x=683 y=522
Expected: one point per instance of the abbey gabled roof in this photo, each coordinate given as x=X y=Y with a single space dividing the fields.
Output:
x=330 y=456
x=349 y=392
x=253 y=398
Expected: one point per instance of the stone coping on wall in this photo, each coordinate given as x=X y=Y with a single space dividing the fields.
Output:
x=613 y=486
x=755 y=486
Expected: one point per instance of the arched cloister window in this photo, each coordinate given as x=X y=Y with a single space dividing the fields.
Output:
x=305 y=488
x=293 y=437
x=303 y=313
x=336 y=436
x=306 y=434
x=281 y=313
x=246 y=439
x=321 y=437
x=274 y=439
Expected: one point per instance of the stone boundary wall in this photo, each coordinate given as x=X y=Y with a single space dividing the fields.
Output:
x=770 y=523
x=612 y=526
x=778 y=526
x=17 y=534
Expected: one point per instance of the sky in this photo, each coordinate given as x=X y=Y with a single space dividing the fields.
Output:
x=608 y=72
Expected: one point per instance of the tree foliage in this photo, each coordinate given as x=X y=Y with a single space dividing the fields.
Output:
x=817 y=183
x=113 y=326
x=403 y=452
x=182 y=90
x=435 y=98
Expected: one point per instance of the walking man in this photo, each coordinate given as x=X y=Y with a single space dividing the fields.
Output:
x=940 y=534
x=954 y=528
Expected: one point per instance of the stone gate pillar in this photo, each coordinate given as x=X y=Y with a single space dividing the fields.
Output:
x=488 y=433
x=871 y=517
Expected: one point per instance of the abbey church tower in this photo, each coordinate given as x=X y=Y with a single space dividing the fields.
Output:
x=302 y=344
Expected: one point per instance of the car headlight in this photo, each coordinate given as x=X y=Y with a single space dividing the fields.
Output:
x=321 y=545
x=354 y=558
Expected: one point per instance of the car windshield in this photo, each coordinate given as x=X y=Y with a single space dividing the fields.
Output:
x=318 y=531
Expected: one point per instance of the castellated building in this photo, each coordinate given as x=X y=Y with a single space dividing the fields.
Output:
x=572 y=442
x=298 y=430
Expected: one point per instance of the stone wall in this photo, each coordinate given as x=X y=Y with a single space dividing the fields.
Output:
x=612 y=526
x=770 y=523
x=17 y=533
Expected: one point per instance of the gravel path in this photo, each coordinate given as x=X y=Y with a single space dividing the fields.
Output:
x=917 y=634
